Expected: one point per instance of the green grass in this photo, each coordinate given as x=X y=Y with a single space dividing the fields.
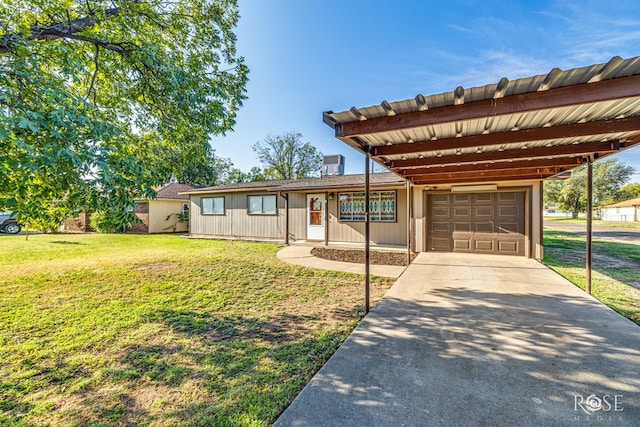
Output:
x=162 y=330
x=615 y=224
x=615 y=269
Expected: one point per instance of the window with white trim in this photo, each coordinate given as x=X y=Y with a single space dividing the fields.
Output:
x=262 y=205
x=213 y=205
x=382 y=206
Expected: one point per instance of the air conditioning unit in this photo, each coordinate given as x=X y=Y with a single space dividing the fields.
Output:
x=333 y=165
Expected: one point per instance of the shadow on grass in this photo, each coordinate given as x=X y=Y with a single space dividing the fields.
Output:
x=233 y=368
x=66 y=242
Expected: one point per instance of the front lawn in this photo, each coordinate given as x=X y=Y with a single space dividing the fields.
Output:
x=615 y=224
x=615 y=275
x=162 y=330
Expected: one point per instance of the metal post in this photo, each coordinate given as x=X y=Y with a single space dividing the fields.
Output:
x=409 y=214
x=589 y=223
x=367 y=253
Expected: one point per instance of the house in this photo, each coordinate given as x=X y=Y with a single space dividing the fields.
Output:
x=328 y=209
x=625 y=211
x=166 y=213
x=467 y=166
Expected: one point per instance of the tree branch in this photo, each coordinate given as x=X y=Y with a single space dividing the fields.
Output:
x=58 y=30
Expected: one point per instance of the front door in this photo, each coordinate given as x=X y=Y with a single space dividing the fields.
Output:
x=315 y=217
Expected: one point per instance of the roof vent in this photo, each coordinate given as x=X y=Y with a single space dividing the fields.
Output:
x=333 y=165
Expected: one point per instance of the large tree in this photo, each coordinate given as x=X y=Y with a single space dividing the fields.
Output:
x=283 y=156
x=86 y=84
x=608 y=177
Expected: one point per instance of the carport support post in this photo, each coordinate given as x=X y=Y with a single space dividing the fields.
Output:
x=409 y=218
x=589 y=223
x=367 y=252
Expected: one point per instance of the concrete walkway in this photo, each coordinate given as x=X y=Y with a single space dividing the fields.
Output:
x=467 y=340
x=301 y=255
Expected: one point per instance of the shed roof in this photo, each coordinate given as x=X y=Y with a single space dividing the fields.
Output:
x=327 y=182
x=529 y=128
x=173 y=191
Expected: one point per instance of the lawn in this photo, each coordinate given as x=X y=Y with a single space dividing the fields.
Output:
x=615 y=269
x=161 y=330
x=616 y=224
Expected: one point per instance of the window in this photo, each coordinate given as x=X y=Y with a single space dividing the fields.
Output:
x=213 y=205
x=185 y=208
x=262 y=205
x=382 y=206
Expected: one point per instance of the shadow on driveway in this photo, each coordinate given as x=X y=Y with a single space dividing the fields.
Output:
x=495 y=341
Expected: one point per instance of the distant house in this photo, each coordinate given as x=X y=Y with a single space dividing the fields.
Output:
x=625 y=211
x=164 y=213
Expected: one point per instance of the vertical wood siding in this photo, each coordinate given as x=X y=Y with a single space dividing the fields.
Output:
x=382 y=233
x=236 y=222
x=297 y=216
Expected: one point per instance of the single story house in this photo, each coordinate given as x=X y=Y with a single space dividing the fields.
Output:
x=467 y=166
x=317 y=209
x=625 y=211
x=167 y=213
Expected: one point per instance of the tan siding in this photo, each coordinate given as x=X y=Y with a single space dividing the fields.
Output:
x=236 y=222
x=298 y=216
x=389 y=233
x=160 y=210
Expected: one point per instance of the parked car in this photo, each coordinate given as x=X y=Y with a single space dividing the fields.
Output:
x=9 y=224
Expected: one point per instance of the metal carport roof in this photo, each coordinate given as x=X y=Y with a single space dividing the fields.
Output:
x=529 y=128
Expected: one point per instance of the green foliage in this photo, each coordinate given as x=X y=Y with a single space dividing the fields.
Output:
x=608 y=177
x=629 y=191
x=237 y=176
x=85 y=86
x=285 y=155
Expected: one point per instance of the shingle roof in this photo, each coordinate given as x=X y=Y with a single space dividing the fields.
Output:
x=174 y=191
x=625 y=203
x=326 y=182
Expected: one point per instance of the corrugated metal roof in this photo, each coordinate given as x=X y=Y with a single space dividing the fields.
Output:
x=600 y=94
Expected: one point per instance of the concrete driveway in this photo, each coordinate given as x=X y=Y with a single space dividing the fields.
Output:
x=465 y=340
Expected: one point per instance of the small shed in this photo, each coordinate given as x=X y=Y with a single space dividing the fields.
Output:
x=167 y=213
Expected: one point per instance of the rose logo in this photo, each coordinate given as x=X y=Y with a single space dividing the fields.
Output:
x=593 y=403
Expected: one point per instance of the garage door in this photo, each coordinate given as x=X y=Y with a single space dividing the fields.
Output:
x=489 y=223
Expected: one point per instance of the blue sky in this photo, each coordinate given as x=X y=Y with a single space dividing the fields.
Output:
x=310 y=56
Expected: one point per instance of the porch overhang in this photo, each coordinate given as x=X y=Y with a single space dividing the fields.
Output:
x=528 y=129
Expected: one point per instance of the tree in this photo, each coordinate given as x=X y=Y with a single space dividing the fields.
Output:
x=282 y=156
x=205 y=171
x=236 y=176
x=85 y=84
x=608 y=176
x=629 y=191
